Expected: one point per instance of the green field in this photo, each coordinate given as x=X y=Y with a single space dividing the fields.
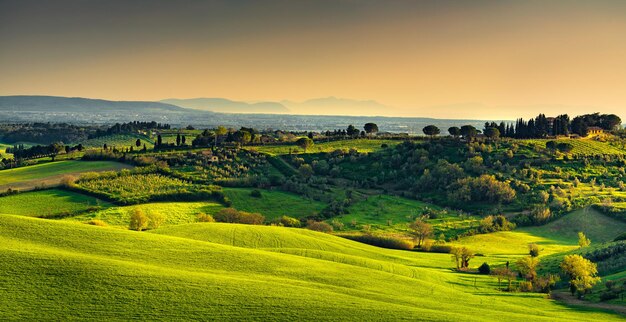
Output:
x=273 y=203
x=361 y=145
x=50 y=173
x=49 y=203
x=595 y=225
x=581 y=146
x=174 y=212
x=3 y=149
x=120 y=141
x=74 y=271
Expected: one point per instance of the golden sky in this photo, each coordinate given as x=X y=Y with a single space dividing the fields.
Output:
x=446 y=59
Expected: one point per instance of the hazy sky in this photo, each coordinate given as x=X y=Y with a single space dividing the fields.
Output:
x=456 y=59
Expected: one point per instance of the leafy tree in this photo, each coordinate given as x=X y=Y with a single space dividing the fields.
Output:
x=533 y=250
x=155 y=220
x=492 y=133
x=431 y=130
x=304 y=143
x=581 y=272
x=461 y=256
x=528 y=267
x=178 y=139
x=565 y=147
x=484 y=269
x=454 y=131
x=468 y=132
x=421 y=230
x=352 y=131
x=159 y=140
x=138 y=220
x=370 y=128
x=583 y=241
x=138 y=143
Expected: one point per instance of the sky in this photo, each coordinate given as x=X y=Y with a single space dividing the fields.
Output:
x=446 y=59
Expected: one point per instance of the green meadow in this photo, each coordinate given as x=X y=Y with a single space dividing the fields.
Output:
x=76 y=271
x=272 y=204
x=361 y=145
x=49 y=203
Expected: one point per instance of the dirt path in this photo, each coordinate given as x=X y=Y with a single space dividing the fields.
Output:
x=567 y=298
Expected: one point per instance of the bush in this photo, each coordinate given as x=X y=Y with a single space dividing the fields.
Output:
x=382 y=241
x=97 y=222
x=232 y=215
x=155 y=220
x=526 y=286
x=484 y=269
x=444 y=249
x=533 y=250
x=319 y=226
x=202 y=217
x=256 y=193
x=287 y=221
x=138 y=220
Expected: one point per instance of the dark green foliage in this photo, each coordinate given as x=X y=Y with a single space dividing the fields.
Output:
x=484 y=269
x=382 y=241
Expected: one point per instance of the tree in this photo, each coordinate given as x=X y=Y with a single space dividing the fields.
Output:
x=138 y=220
x=533 y=250
x=178 y=139
x=431 y=130
x=155 y=220
x=527 y=267
x=304 y=143
x=484 y=269
x=461 y=256
x=219 y=131
x=454 y=131
x=105 y=147
x=352 y=131
x=183 y=140
x=468 y=132
x=583 y=241
x=492 y=133
x=370 y=128
x=581 y=272
x=421 y=230
x=138 y=143
x=159 y=140
x=565 y=147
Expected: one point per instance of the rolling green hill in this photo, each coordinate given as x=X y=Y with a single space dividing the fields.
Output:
x=50 y=174
x=48 y=203
x=61 y=270
x=120 y=141
x=272 y=203
x=361 y=145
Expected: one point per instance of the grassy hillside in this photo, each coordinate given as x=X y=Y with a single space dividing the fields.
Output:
x=50 y=173
x=65 y=270
x=361 y=145
x=273 y=204
x=595 y=225
x=175 y=213
x=49 y=203
x=581 y=146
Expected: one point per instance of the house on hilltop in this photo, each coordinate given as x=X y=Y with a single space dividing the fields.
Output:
x=594 y=130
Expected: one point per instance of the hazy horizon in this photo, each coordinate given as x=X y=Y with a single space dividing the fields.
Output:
x=443 y=59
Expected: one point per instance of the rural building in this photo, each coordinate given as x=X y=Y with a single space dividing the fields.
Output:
x=594 y=130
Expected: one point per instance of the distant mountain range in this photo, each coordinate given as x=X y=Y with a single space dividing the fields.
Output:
x=56 y=104
x=317 y=106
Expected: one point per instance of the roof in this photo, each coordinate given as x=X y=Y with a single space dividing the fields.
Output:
x=595 y=128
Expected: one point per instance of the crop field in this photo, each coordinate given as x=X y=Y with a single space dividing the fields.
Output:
x=273 y=204
x=120 y=141
x=361 y=145
x=66 y=270
x=581 y=146
x=175 y=213
x=49 y=203
x=3 y=149
x=50 y=174
x=135 y=186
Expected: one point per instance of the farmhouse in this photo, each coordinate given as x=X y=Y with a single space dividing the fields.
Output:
x=594 y=130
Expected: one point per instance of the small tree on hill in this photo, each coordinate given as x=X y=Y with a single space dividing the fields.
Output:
x=533 y=250
x=583 y=241
x=431 y=130
x=304 y=143
x=420 y=230
x=370 y=128
x=528 y=267
x=468 y=132
x=581 y=272
x=461 y=256
x=454 y=131
x=138 y=220
x=492 y=133
x=138 y=143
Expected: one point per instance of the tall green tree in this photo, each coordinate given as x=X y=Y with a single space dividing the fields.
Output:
x=431 y=130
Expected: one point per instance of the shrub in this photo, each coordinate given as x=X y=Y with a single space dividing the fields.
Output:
x=526 y=286
x=484 y=269
x=232 y=215
x=444 y=249
x=319 y=226
x=533 y=250
x=202 y=217
x=382 y=241
x=97 y=222
x=138 y=220
x=287 y=221
x=155 y=220
x=256 y=193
